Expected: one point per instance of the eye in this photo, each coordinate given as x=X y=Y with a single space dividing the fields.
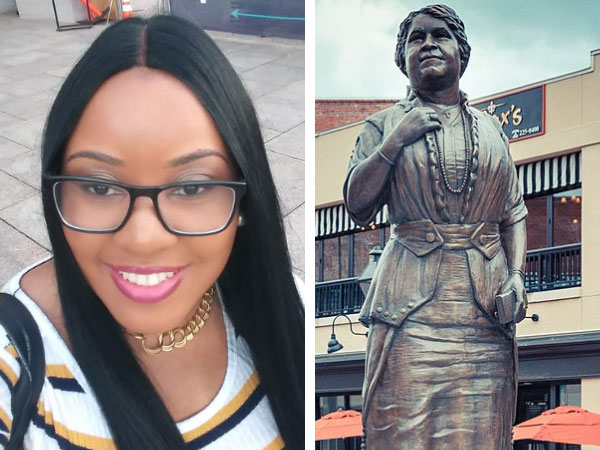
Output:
x=190 y=190
x=415 y=36
x=441 y=33
x=100 y=189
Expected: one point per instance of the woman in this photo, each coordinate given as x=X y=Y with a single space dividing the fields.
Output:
x=440 y=370
x=169 y=313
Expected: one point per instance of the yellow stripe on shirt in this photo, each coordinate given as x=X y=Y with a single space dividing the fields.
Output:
x=276 y=444
x=12 y=351
x=58 y=371
x=8 y=372
x=75 y=437
x=5 y=418
x=227 y=411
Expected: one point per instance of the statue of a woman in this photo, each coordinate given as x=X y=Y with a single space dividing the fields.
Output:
x=441 y=367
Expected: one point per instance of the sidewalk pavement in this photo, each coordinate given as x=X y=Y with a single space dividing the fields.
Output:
x=35 y=59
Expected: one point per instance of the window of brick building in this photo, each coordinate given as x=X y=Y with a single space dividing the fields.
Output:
x=346 y=256
x=554 y=219
x=567 y=217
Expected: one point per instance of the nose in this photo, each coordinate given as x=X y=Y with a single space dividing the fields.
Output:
x=429 y=42
x=144 y=234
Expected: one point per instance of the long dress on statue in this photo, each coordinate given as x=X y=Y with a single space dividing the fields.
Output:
x=440 y=370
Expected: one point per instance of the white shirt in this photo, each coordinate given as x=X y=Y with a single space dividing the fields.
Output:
x=68 y=416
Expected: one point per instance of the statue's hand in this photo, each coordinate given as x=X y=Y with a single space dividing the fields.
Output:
x=411 y=127
x=515 y=282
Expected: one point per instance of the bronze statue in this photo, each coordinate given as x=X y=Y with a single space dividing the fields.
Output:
x=441 y=360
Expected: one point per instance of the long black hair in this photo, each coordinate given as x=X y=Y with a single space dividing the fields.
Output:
x=258 y=289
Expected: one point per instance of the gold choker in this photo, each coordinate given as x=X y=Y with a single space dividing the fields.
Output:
x=178 y=337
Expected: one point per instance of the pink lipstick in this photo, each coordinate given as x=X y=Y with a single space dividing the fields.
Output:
x=146 y=284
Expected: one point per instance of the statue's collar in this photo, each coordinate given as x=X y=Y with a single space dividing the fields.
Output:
x=414 y=100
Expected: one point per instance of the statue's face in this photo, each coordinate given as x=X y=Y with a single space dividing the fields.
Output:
x=432 y=54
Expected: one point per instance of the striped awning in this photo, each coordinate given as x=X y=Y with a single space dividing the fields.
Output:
x=335 y=219
x=550 y=175
x=535 y=178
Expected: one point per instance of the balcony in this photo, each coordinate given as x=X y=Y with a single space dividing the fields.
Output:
x=545 y=269
x=333 y=297
x=553 y=268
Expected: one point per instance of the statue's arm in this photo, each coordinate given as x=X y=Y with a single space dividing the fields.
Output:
x=514 y=242
x=367 y=182
x=514 y=238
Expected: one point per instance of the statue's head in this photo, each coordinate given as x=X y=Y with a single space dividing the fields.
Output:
x=432 y=45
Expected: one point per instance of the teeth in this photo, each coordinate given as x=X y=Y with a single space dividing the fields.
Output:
x=142 y=280
x=146 y=280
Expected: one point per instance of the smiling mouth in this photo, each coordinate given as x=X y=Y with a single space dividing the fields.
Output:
x=146 y=280
x=146 y=284
x=429 y=58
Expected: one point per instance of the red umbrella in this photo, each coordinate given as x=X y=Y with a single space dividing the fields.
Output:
x=565 y=424
x=338 y=425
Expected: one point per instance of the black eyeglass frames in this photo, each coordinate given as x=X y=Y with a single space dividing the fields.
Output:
x=187 y=208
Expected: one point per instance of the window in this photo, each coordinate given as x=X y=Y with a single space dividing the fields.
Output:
x=346 y=256
x=554 y=219
x=537 y=223
x=567 y=217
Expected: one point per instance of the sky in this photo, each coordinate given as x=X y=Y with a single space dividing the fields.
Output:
x=513 y=43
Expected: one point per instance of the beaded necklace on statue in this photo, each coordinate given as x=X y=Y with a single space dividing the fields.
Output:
x=448 y=112
x=442 y=157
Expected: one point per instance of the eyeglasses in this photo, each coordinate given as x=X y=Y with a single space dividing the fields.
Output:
x=188 y=208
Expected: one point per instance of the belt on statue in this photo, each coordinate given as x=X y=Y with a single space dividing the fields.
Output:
x=424 y=236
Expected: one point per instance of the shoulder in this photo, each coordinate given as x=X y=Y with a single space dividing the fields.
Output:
x=36 y=285
x=9 y=359
x=36 y=272
x=489 y=125
x=380 y=118
x=483 y=116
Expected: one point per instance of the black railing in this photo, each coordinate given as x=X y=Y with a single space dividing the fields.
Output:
x=545 y=269
x=333 y=297
x=553 y=268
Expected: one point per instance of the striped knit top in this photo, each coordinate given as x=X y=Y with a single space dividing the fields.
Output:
x=69 y=417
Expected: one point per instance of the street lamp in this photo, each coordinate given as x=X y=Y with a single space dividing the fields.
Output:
x=364 y=280
x=334 y=345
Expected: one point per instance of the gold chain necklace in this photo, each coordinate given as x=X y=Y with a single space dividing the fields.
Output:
x=178 y=337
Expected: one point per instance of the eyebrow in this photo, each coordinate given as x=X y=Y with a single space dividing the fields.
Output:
x=97 y=156
x=198 y=154
x=179 y=161
x=422 y=30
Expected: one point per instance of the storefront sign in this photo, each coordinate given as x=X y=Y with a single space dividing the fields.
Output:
x=521 y=113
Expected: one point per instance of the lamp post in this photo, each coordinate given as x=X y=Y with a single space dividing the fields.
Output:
x=334 y=345
x=364 y=280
